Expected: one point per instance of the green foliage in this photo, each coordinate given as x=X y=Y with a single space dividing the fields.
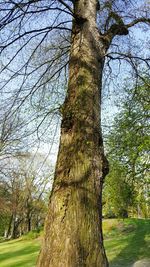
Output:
x=118 y=193
x=5 y=213
x=33 y=234
x=127 y=185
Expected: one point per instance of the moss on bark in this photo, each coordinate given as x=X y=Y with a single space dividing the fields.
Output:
x=73 y=236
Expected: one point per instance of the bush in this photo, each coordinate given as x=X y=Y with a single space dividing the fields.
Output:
x=32 y=234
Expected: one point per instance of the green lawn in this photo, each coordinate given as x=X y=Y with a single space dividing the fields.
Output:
x=126 y=242
x=19 y=253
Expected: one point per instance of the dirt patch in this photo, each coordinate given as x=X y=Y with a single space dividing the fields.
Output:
x=142 y=263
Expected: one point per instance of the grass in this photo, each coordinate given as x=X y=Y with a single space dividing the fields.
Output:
x=125 y=241
x=19 y=253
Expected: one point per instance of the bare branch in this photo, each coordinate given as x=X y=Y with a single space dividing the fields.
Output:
x=67 y=6
x=139 y=20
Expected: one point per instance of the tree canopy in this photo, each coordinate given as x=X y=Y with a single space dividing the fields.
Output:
x=128 y=150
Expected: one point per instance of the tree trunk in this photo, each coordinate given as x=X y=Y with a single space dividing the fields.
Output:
x=14 y=231
x=28 y=223
x=8 y=232
x=73 y=235
x=29 y=218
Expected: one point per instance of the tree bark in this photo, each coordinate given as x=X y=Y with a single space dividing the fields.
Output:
x=28 y=223
x=73 y=233
x=29 y=217
x=9 y=227
x=14 y=231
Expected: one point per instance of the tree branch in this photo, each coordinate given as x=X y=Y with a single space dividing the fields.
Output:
x=67 y=6
x=136 y=21
x=120 y=28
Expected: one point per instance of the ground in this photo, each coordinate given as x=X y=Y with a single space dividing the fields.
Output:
x=127 y=244
x=19 y=253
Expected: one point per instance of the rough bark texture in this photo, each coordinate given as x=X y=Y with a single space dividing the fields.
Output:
x=73 y=236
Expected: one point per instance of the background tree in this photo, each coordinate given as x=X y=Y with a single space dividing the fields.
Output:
x=90 y=31
x=118 y=196
x=128 y=184
x=4 y=209
x=23 y=194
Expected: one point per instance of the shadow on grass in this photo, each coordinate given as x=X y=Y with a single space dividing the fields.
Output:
x=19 y=256
x=23 y=263
x=136 y=247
